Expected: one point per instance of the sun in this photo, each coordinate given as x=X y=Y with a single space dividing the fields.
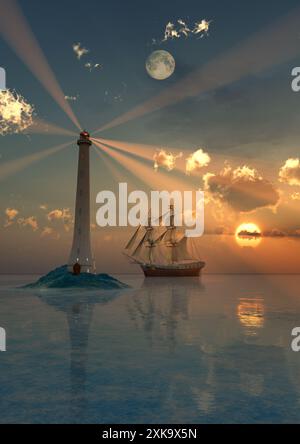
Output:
x=248 y=235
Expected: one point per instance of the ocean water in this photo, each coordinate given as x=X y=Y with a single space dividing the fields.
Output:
x=215 y=350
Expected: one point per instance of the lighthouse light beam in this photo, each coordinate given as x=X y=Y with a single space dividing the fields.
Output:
x=18 y=34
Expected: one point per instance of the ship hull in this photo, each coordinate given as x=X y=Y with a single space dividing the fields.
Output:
x=190 y=270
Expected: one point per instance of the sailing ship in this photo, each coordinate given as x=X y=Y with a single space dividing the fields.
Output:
x=162 y=251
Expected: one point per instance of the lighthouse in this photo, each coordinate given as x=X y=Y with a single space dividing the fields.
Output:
x=81 y=259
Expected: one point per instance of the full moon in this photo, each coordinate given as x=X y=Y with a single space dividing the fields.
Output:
x=160 y=65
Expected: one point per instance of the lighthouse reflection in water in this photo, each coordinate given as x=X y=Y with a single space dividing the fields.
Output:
x=165 y=351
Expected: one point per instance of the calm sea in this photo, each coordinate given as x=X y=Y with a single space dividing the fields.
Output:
x=165 y=351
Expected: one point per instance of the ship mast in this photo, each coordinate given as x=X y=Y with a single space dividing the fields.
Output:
x=147 y=241
x=171 y=236
x=149 y=238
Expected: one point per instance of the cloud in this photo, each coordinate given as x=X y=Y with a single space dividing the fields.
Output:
x=72 y=98
x=165 y=159
x=90 y=66
x=295 y=196
x=119 y=95
x=184 y=29
x=175 y=31
x=274 y=233
x=50 y=232
x=196 y=161
x=221 y=230
x=11 y=214
x=63 y=215
x=79 y=50
x=243 y=189
x=290 y=172
x=170 y=32
x=201 y=28
x=29 y=221
x=16 y=114
x=57 y=214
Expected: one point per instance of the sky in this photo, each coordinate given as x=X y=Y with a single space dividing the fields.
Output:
x=231 y=100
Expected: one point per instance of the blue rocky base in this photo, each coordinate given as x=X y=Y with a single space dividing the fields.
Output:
x=62 y=278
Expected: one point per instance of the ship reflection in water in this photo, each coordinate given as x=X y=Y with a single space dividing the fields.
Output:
x=166 y=351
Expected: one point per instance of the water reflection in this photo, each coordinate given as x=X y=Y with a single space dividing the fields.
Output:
x=191 y=339
x=250 y=313
x=160 y=305
x=78 y=309
x=164 y=310
x=165 y=351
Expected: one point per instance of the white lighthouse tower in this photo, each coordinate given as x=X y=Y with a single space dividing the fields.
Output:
x=81 y=259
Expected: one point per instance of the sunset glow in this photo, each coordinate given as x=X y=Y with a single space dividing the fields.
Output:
x=248 y=235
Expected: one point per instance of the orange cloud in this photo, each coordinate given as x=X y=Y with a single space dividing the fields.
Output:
x=29 y=221
x=274 y=233
x=196 y=161
x=243 y=189
x=63 y=215
x=290 y=172
x=295 y=196
x=58 y=214
x=165 y=159
x=48 y=231
x=11 y=214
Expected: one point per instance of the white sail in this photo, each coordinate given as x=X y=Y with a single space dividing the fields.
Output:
x=161 y=245
x=182 y=250
x=177 y=246
x=161 y=254
x=161 y=236
x=132 y=239
x=139 y=247
x=194 y=249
